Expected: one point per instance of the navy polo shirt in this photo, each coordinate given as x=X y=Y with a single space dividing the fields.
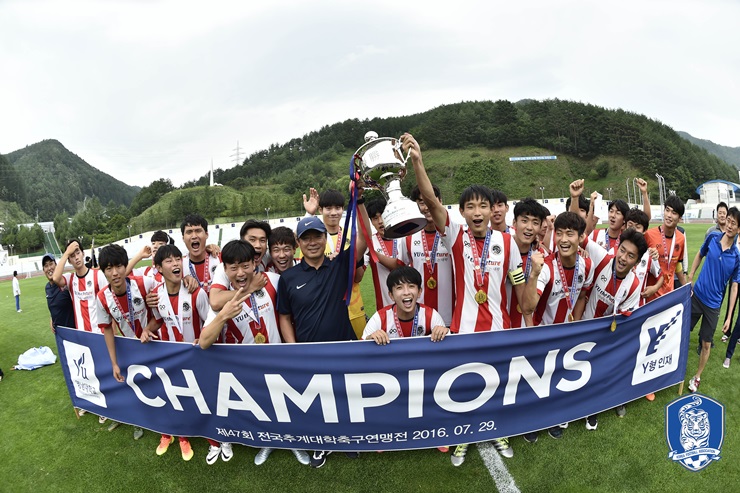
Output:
x=60 y=306
x=315 y=299
x=719 y=267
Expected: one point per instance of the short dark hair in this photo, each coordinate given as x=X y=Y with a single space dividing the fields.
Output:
x=498 y=197
x=282 y=236
x=530 y=207
x=416 y=193
x=73 y=240
x=237 y=251
x=638 y=216
x=162 y=236
x=193 y=220
x=254 y=223
x=621 y=206
x=166 y=251
x=331 y=197
x=636 y=238
x=734 y=212
x=375 y=207
x=473 y=192
x=583 y=203
x=674 y=203
x=401 y=275
x=15 y=273
x=570 y=220
x=112 y=256
x=722 y=204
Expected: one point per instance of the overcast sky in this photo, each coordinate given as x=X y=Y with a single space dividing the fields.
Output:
x=156 y=89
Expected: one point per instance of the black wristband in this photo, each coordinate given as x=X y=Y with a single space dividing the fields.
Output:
x=361 y=200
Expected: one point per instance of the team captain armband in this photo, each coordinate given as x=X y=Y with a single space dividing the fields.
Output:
x=516 y=276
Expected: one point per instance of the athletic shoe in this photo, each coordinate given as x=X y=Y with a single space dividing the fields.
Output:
x=226 y=452
x=726 y=364
x=113 y=425
x=503 y=447
x=591 y=423
x=185 y=449
x=725 y=338
x=650 y=397
x=164 y=444
x=621 y=411
x=318 y=458
x=555 y=432
x=458 y=456
x=532 y=437
x=262 y=456
x=138 y=433
x=102 y=419
x=694 y=384
x=213 y=453
x=352 y=455
x=444 y=450
x=20 y=311
x=80 y=412
x=302 y=457
x=563 y=425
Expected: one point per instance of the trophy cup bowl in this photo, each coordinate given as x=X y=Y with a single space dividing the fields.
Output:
x=382 y=165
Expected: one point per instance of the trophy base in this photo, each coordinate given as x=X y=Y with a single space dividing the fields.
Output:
x=402 y=218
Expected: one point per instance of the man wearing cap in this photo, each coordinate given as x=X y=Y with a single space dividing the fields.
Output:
x=57 y=299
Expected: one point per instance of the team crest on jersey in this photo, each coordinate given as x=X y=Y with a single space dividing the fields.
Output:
x=420 y=331
x=392 y=330
x=417 y=242
x=162 y=307
x=138 y=301
x=213 y=268
x=114 y=309
x=186 y=307
x=89 y=283
x=580 y=278
x=260 y=293
x=695 y=429
x=643 y=262
x=603 y=277
x=496 y=250
x=557 y=282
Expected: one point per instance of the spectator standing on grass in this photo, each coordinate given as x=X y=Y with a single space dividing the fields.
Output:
x=719 y=225
x=17 y=291
x=58 y=298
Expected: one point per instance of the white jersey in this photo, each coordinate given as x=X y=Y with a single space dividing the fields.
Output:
x=379 y=271
x=148 y=271
x=203 y=271
x=553 y=305
x=516 y=316
x=437 y=285
x=644 y=267
x=601 y=237
x=84 y=291
x=503 y=261
x=182 y=314
x=115 y=307
x=384 y=320
x=607 y=291
x=246 y=328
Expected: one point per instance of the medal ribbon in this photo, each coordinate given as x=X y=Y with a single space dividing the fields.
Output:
x=414 y=325
x=385 y=249
x=338 y=244
x=430 y=258
x=667 y=253
x=206 y=276
x=479 y=260
x=607 y=240
x=570 y=292
x=528 y=264
x=129 y=320
x=254 y=314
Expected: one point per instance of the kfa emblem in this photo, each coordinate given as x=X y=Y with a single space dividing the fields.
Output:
x=695 y=429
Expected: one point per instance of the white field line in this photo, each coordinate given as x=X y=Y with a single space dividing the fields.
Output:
x=496 y=467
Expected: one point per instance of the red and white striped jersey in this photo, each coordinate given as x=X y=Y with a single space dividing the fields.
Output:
x=515 y=312
x=245 y=327
x=379 y=271
x=606 y=291
x=601 y=237
x=182 y=314
x=503 y=261
x=84 y=292
x=206 y=279
x=109 y=303
x=147 y=271
x=553 y=305
x=644 y=267
x=441 y=297
x=384 y=320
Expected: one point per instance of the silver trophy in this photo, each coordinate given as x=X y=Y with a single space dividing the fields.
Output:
x=382 y=165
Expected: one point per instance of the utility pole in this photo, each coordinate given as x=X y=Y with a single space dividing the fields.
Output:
x=237 y=154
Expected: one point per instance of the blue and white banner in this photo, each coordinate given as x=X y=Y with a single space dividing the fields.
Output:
x=412 y=393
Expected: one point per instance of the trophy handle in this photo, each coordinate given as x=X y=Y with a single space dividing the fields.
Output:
x=398 y=146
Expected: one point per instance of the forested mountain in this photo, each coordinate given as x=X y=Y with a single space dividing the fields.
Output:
x=730 y=155
x=53 y=179
x=583 y=131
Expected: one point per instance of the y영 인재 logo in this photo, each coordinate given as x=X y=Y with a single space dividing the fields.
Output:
x=82 y=373
x=660 y=345
x=695 y=429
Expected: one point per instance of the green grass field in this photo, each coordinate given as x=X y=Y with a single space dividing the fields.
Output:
x=45 y=448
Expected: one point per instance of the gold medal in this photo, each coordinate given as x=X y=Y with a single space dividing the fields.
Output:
x=481 y=297
x=570 y=317
x=260 y=338
x=614 y=324
x=519 y=308
x=431 y=283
